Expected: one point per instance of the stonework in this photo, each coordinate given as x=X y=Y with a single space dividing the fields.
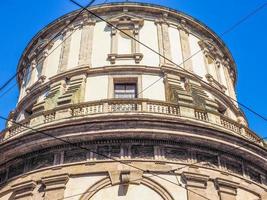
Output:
x=102 y=117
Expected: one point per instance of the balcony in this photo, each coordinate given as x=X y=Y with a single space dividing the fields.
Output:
x=129 y=106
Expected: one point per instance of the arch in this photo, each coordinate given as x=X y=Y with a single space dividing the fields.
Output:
x=105 y=182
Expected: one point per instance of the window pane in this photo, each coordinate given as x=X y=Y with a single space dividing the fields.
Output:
x=125 y=90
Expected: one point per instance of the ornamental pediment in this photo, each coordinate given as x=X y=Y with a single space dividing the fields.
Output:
x=126 y=18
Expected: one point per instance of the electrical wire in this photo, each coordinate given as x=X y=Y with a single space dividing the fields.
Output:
x=48 y=43
x=169 y=60
x=62 y=140
x=100 y=154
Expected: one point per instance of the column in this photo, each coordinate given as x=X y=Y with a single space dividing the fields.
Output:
x=186 y=51
x=86 y=42
x=196 y=185
x=55 y=186
x=24 y=190
x=65 y=49
x=227 y=189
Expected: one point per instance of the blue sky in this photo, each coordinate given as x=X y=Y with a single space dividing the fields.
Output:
x=21 y=20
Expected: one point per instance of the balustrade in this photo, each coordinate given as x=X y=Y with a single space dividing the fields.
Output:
x=201 y=115
x=231 y=125
x=122 y=106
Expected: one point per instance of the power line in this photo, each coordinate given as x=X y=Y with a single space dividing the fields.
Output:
x=100 y=154
x=128 y=35
x=190 y=58
x=228 y=30
x=62 y=140
x=48 y=43
x=67 y=197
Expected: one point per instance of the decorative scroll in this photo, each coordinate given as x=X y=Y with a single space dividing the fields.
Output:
x=140 y=151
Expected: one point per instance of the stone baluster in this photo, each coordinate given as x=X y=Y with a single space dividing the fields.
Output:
x=55 y=186
x=227 y=189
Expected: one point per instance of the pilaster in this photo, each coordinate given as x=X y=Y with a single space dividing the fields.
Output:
x=164 y=40
x=86 y=42
x=227 y=189
x=196 y=185
x=186 y=51
x=65 y=49
x=55 y=186
x=229 y=82
x=23 y=190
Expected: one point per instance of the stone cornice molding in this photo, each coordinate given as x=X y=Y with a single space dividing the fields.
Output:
x=119 y=68
x=125 y=20
x=23 y=189
x=210 y=49
x=131 y=7
x=195 y=180
x=55 y=182
x=226 y=186
x=183 y=26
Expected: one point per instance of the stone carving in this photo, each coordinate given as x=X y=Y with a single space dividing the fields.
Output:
x=232 y=166
x=74 y=91
x=16 y=169
x=55 y=91
x=74 y=155
x=113 y=151
x=41 y=161
x=139 y=151
x=23 y=190
x=175 y=153
x=198 y=94
x=206 y=159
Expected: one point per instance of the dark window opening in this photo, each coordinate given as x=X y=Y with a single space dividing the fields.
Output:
x=125 y=90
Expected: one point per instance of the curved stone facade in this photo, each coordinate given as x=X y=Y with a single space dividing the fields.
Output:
x=113 y=99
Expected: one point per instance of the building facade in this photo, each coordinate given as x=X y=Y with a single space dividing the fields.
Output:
x=101 y=116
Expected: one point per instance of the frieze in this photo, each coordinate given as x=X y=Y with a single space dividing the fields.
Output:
x=170 y=153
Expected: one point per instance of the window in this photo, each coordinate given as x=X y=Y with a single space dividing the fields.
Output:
x=125 y=90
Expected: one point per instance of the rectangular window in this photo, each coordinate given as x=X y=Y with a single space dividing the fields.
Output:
x=125 y=90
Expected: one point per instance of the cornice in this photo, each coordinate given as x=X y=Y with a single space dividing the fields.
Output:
x=179 y=130
x=131 y=6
